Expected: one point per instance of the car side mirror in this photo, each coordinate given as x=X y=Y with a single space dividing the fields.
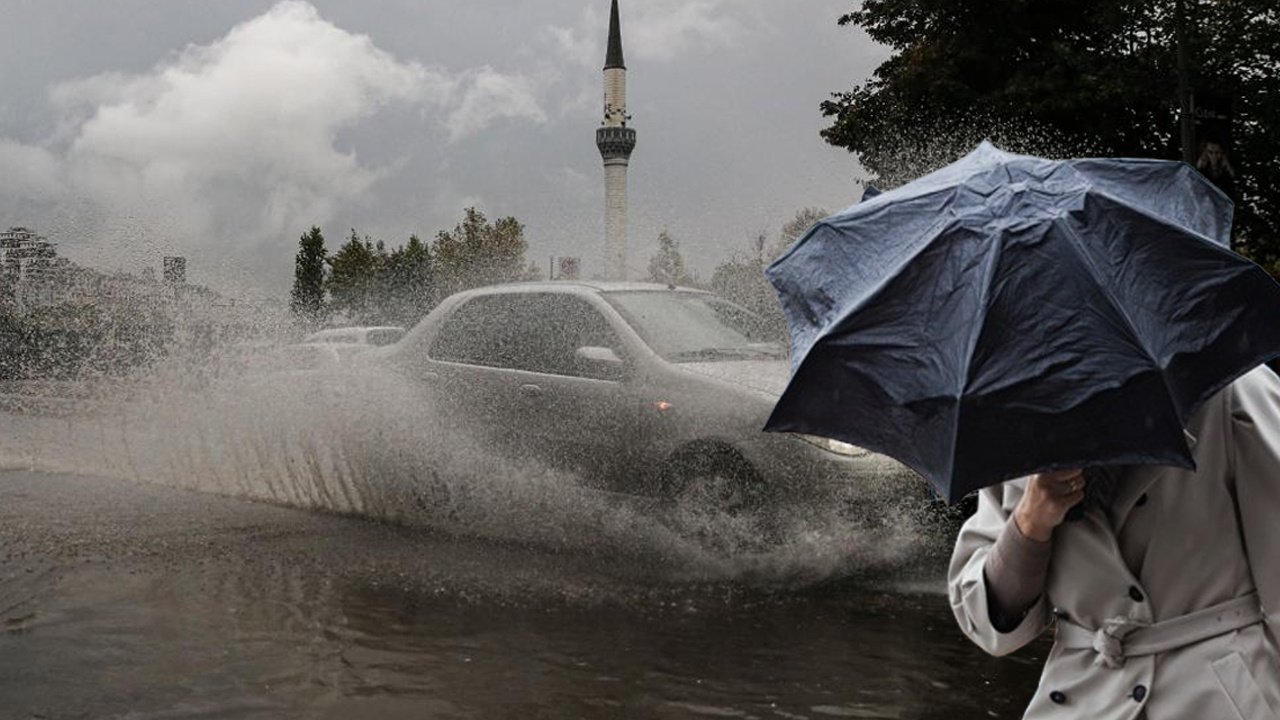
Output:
x=599 y=356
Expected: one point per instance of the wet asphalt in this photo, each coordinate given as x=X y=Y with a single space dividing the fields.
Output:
x=121 y=599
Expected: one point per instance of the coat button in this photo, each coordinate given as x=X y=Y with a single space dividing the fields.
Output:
x=1141 y=501
x=1136 y=594
x=1140 y=693
x=1058 y=697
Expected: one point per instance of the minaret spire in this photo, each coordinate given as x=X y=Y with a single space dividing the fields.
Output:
x=615 y=141
x=613 y=57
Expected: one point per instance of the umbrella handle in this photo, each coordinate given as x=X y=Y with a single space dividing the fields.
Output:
x=1098 y=486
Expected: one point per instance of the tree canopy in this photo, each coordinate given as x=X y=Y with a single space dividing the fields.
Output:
x=368 y=283
x=409 y=282
x=1094 y=77
x=667 y=264
x=479 y=252
x=307 y=300
x=742 y=279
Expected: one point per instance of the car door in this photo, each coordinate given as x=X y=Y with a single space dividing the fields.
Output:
x=577 y=414
x=469 y=373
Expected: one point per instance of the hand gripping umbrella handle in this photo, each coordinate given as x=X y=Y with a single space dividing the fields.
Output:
x=1098 y=484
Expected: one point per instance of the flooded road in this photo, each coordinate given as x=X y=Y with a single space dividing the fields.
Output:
x=327 y=546
x=128 y=600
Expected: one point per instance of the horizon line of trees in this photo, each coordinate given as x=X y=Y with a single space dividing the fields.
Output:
x=741 y=277
x=367 y=283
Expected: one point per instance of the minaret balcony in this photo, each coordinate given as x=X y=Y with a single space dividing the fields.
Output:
x=615 y=142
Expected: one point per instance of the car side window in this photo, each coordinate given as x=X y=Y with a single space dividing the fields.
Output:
x=560 y=324
x=537 y=332
x=477 y=333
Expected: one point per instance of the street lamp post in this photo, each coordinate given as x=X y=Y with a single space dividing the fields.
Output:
x=1186 y=103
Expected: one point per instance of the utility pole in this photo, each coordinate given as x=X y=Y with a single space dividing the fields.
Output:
x=1186 y=103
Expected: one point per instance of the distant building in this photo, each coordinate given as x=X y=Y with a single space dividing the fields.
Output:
x=30 y=269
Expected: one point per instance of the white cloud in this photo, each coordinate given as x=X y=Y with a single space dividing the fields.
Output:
x=240 y=135
x=28 y=172
x=490 y=96
x=583 y=45
x=247 y=139
x=663 y=30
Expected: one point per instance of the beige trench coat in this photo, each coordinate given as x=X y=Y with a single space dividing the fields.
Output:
x=1177 y=541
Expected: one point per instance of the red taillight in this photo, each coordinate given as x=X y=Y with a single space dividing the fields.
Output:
x=662 y=406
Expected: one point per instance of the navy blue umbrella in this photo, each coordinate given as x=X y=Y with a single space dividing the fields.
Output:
x=1010 y=314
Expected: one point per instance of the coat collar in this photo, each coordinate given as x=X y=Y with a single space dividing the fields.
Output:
x=1136 y=483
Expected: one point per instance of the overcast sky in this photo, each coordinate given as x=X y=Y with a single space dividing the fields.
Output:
x=223 y=130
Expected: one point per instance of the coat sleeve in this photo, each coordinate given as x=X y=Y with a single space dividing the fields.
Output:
x=1255 y=429
x=966 y=583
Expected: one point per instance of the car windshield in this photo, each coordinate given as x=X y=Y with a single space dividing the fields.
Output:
x=696 y=327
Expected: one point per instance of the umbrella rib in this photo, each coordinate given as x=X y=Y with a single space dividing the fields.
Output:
x=823 y=326
x=1157 y=219
x=991 y=261
x=1077 y=243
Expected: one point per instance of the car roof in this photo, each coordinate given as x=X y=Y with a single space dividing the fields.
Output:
x=579 y=287
x=352 y=330
x=327 y=332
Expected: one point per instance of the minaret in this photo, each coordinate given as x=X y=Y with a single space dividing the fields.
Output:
x=616 y=141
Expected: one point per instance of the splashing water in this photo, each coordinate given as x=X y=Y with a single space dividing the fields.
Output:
x=362 y=441
x=914 y=154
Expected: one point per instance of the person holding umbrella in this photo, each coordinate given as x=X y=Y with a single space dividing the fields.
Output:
x=1075 y=341
x=1166 y=595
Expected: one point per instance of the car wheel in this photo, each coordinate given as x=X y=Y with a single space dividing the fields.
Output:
x=718 y=501
x=716 y=482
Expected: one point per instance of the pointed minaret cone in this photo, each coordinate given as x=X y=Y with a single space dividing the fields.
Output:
x=615 y=141
x=613 y=57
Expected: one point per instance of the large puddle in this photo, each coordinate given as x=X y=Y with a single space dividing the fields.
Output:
x=124 y=600
x=323 y=545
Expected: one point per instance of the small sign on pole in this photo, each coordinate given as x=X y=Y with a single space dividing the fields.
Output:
x=569 y=268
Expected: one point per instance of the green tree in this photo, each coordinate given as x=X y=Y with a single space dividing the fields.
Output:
x=355 y=287
x=307 y=301
x=794 y=228
x=1095 y=77
x=409 y=280
x=478 y=252
x=667 y=264
x=743 y=281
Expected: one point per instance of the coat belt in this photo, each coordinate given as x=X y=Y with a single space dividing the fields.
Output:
x=1122 y=637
